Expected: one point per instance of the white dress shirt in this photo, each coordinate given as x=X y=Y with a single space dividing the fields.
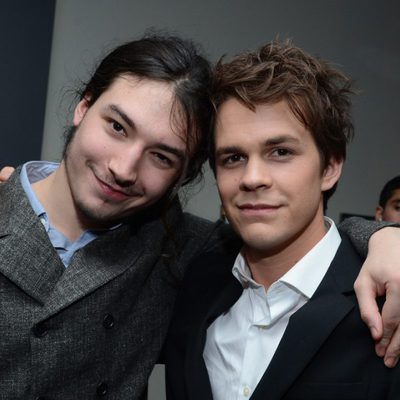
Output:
x=241 y=343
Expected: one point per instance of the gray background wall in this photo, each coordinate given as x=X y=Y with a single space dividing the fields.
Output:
x=361 y=36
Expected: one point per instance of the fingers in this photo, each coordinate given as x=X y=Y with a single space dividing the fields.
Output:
x=385 y=329
x=366 y=292
x=389 y=345
x=5 y=173
x=393 y=350
x=382 y=345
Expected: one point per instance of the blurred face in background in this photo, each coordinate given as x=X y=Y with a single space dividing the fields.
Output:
x=391 y=210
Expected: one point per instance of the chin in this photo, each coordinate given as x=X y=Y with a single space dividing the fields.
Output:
x=266 y=241
x=98 y=216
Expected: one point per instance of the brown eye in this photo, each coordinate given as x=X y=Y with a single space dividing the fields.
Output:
x=117 y=127
x=232 y=159
x=282 y=152
x=162 y=159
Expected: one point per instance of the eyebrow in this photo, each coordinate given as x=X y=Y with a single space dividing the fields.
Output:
x=281 y=139
x=122 y=114
x=269 y=142
x=227 y=150
x=173 y=150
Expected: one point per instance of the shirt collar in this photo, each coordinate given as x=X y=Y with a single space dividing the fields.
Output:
x=306 y=275
x=32 y=172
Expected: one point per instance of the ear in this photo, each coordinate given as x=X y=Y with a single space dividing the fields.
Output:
x=331 y=174
x=80 y=110
x=379 y=213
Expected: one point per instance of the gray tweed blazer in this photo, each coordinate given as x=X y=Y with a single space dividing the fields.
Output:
x=97 y=327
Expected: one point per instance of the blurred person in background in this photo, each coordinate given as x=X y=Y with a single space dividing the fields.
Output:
x=389 y=202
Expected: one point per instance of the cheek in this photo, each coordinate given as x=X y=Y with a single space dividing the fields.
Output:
x=300 y=188
x=223 y=194
x=87 y=141
x=156 y=182
x=227 y=184
x=307 y=180
x=391 y=214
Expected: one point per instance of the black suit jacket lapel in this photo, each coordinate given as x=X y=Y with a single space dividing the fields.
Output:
x=311 y=325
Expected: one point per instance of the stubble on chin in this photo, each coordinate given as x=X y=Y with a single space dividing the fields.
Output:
x=95 y=217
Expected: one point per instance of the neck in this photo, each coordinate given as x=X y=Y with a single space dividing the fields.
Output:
x=54 y=194
x=268 y=265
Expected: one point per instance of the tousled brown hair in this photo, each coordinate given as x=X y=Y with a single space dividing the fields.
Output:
x=317 y=94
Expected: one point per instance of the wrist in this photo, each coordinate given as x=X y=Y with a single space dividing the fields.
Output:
x=385 y=235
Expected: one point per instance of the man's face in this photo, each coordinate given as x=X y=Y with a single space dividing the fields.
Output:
x=391 y=211
x=269 y=177
x=125 y=154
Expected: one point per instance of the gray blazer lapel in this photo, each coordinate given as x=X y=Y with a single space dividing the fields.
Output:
x=106 y=258
x=310 y=326
x=28 y=258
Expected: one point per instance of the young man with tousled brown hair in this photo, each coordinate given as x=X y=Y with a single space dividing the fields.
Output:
x=279 y=320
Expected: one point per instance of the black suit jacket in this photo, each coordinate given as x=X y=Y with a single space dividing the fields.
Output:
x=326 y=351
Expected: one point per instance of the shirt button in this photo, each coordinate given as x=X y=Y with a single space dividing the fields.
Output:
x=246 y=391
x=102 y=389
x=108 y=321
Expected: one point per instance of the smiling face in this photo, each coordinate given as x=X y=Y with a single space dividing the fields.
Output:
x=125 y=153
x=269 y=177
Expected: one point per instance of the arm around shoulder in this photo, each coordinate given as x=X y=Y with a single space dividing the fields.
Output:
x=380 y=275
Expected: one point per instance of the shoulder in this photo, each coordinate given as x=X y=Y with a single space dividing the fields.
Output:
x=13 y=184
x=203 y=239
x=12 y=195
x=195 y=225
x=219 y=236
x=215 y=262
x=343 y=269
x=347 y=249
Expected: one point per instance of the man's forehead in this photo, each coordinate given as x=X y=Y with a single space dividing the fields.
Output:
x=274 y=120
x=233 y=109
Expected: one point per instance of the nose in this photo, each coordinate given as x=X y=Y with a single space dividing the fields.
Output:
x=256 y=176
x=124 y=167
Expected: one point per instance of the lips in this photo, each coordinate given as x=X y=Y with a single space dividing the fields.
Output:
x=258 y=206
x=258 y=209
x=114 y=193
